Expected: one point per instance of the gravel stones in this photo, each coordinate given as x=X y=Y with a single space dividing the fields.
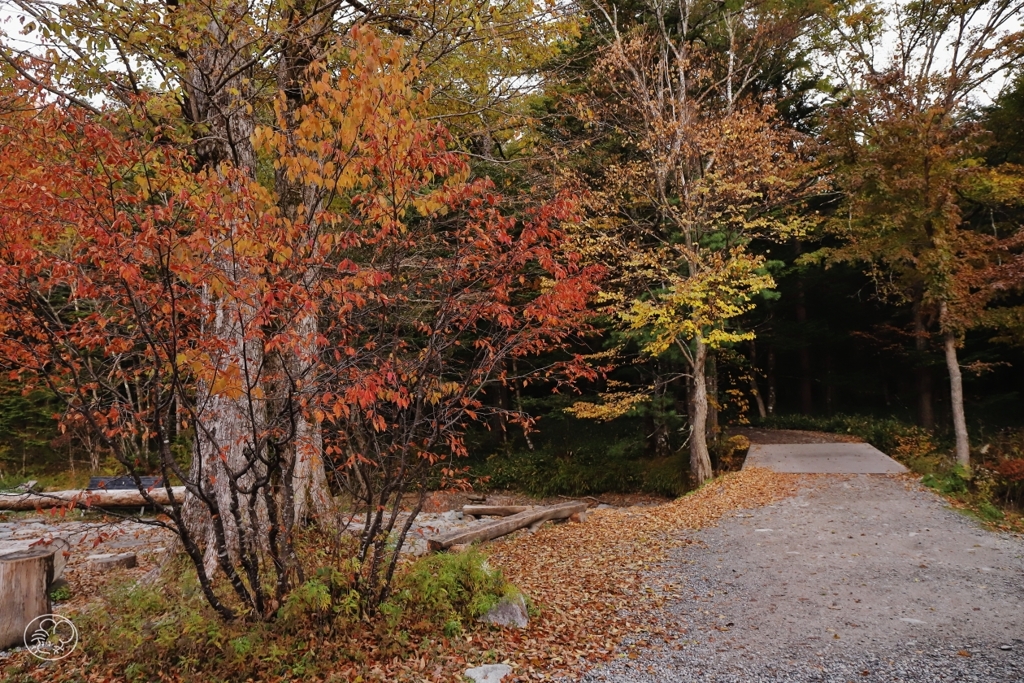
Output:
x=898 y=593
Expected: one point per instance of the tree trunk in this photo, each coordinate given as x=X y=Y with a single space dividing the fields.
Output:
x=519 y=403
x=806 y=381
x=218 y=93
x=923 y=373
x=311 y=494
x=761 y=411
x=96 y=498
x=956 y=395
x=700 y=459
x=712 y=381
x=217 y=99
x=24 y=577
x=829 y=385
x=771 y=381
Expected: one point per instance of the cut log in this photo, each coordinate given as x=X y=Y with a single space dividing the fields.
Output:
x=107 y=561
x=494 y=510
x=86 y=499
x=24 y=576
x=486 y=532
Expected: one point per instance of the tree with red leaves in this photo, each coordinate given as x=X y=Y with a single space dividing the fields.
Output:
x=153 y=298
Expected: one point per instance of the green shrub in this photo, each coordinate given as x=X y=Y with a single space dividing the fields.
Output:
x=953 y=481
x=60 y=594
x=447 y=590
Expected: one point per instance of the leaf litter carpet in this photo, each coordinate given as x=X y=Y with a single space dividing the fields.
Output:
x=590 y=581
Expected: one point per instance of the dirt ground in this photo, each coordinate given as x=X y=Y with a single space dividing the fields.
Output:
x=867 y=578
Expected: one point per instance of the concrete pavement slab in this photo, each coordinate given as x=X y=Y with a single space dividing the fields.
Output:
x=822 y=458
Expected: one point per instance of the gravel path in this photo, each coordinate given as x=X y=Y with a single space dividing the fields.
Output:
x=860 y=578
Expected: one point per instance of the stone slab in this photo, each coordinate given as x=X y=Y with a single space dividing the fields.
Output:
x=822 y=458
x=489 y=673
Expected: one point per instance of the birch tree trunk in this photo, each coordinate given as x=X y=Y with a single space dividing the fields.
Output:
x=700 y=460
x=956 y=395
x=218 y=94
x=311 y=495
x=228 y=425
x=754 y=389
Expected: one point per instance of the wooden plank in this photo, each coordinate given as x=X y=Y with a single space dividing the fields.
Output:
x=491 y=530
x=116 y=498
x=494 y=510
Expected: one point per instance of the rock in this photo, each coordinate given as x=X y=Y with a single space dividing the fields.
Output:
x=107 y=561
x=477 y=498
x=510 y=611
x=489 y=673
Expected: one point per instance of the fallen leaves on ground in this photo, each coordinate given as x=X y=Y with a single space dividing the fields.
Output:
x=590 y=580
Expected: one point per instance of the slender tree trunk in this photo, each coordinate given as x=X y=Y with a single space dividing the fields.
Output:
x=956 y=395
x=806 y=381
x=923 y=373
x=829 y=385
x=659 y=412
x=700 y=459
x=771 y=381
x=311 y=494
x=761 y=411
x=712 y=380
x=519 y=403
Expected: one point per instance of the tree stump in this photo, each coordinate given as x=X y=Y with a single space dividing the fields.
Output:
x=24 y=578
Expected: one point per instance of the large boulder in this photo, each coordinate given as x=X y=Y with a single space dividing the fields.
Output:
x=511 y=611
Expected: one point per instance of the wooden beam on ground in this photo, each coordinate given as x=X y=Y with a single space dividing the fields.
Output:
x=86 y=499
x=494 y=510
x=491 y=530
